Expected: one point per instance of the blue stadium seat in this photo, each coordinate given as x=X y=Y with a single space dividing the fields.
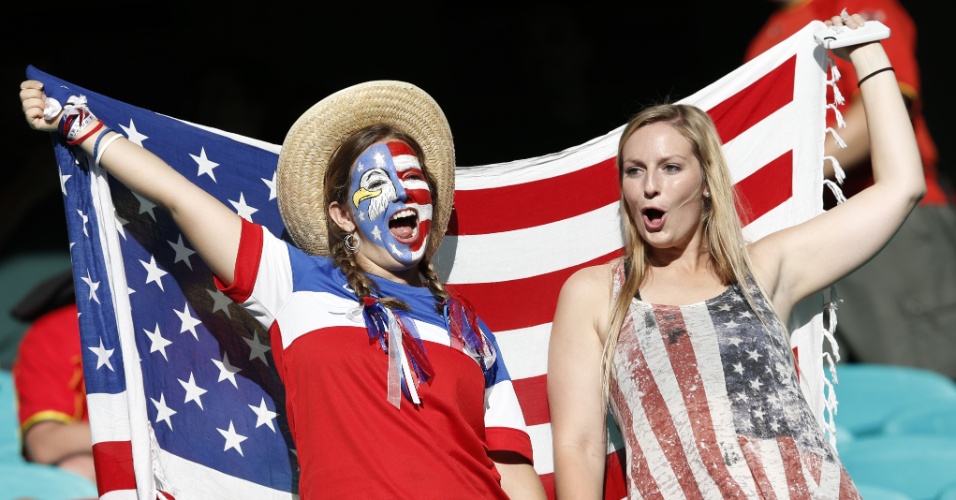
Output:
x=869 y=492
x=9 y=424
x=868 y=394
x=933 y=418
x=43 y=482
x=948 y=492
x=917 y=466
x=22 y=479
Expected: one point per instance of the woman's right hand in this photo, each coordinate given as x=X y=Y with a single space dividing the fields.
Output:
x=34 y=102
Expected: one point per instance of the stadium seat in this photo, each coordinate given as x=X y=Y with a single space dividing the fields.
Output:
x=868 y=394
x=919 y=467
x=948 y=492
x=43 y=482
x=869 y=492
x=933 y=418
x=9 y=426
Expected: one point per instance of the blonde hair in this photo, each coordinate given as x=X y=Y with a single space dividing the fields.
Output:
x=723 y=234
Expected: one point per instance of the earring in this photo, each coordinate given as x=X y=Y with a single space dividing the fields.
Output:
x=706 y=194
x=352 y=242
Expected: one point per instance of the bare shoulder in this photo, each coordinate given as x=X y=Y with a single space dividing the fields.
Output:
x=590 y=280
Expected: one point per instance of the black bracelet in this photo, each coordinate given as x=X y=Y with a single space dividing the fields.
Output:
x=867 y=77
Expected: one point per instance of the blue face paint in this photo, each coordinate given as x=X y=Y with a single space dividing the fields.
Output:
x=391 y=202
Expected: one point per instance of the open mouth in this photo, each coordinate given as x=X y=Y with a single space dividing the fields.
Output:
x=653 y=215
x=404 y=225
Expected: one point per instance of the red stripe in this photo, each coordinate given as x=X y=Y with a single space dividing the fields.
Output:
x=508 y=208
x=765 y=189
x=114 y=466
x=614 y=486
x=755 y=102
x=509 y=305
x=640 y=470
x=683 y=360
x=793 y=467
x=532 y=395
x=752 y=454
x=547 y=480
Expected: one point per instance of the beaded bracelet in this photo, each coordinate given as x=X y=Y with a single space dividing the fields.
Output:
x=867 y=77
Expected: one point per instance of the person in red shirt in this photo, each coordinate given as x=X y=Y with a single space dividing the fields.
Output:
x=48 y=374
x=897 y=308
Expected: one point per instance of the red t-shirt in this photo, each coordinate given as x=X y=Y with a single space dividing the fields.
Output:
x=350 y=441
x=48 y=371
x=901 y=49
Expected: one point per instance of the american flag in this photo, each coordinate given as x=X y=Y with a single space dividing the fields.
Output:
x=181 y=404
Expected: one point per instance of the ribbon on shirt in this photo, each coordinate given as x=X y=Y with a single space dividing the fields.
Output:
x=408 y=365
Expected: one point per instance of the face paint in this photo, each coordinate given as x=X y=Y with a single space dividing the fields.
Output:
x=391 y=200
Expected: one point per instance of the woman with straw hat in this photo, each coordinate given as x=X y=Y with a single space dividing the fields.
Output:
x=394 y=387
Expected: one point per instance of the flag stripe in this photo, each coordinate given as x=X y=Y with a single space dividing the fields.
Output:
x=509 y=208
x=765 y=189
x=114 y=466
x=756 y=102
x=524 y=302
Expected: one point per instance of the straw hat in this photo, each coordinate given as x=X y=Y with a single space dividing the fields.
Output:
x=317 y=134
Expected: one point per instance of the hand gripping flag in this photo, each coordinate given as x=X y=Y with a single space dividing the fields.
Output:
x=184 y=401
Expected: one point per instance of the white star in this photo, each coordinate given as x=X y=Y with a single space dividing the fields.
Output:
x=163 y=412
x=226 y=370
x=379 y=160
x=120 y=222
x=272 y=186
x=193 y=391
x=189 y=322
x=220 y=302
x=63 y=179
x=754 y=355
x=377 y=233
x=731 y=324
x=158 y=343
x=244 y=211
x=759 y=414
x=739 y=368
x=257 y=349
x=133 y=135
x=146 y=206
x=233 y=440
x=205 y=165
x=735 y=341
x=153 y=272
x=93 y=286
x=395 y=250
x=182 y=252
x=102 y=356
x=85 y=220
x=263 y=415
x=756 y=384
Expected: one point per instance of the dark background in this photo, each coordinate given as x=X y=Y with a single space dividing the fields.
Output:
x=515 y=82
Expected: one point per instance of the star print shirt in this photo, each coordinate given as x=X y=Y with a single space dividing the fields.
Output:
x=707 y=399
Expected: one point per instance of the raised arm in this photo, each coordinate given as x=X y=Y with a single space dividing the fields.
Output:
x=799 y=261
x=575 y=390
x=211 y=227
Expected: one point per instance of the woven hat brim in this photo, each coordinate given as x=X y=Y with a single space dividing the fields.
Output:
x=318 y=133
